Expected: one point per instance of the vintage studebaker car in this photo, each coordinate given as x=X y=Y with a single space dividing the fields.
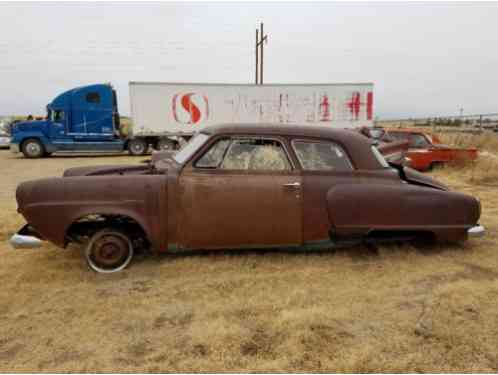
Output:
x=244 y=186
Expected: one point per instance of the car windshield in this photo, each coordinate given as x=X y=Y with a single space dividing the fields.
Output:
x=190 y=148
x=419 y=141
x=376 y=133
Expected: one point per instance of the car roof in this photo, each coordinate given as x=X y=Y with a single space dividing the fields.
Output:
x=408 y=130
x=280 y=129
x=358 y=146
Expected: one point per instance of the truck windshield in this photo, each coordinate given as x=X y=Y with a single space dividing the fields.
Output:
x=190 y=148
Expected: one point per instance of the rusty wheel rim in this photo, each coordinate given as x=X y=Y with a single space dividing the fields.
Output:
x=109 y=251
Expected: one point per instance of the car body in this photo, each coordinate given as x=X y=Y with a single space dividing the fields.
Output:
x=244 y=186
x=4 y=132
x=426 y=150
x=4 y=140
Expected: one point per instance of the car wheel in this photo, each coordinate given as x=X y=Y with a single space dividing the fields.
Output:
x=108 y=251
x=32 y=148
x=137 y=147
x=165 y=144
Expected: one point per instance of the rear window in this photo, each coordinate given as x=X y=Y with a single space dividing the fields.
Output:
x=322 y=156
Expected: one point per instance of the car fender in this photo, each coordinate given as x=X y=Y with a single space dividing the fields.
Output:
x=68 y=199
x=361 y=208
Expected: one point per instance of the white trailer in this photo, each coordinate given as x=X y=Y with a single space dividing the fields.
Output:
x=166 y=113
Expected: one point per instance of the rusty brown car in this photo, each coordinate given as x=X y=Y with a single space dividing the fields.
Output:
x=244 y=186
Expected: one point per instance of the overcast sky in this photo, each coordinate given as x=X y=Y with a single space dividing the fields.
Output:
x=424 y=59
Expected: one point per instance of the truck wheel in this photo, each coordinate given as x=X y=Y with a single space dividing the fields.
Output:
x=32 y=148
x=109 y=250
x=137 y=146
x=165 y=144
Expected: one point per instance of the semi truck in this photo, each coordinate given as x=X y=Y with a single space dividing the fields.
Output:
x=166 y=115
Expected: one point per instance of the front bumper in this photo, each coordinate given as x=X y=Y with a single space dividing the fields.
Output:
x=477 y=231
x=26 y=238
x=14 y=148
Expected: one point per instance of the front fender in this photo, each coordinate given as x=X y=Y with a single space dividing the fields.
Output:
x=356 y=209
x=19 y=137
x=52 y=205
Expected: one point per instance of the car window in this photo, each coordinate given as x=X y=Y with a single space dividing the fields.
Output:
x=377 y=133
x=322 y=156
x=58 y=116
x=256 y=154
x=418 y=141
x=93 y=97
x=399 y=136
x=214 y=156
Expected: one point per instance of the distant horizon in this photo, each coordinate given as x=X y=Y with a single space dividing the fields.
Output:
x=425 y=59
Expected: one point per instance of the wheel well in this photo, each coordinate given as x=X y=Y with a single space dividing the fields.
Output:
x=29 y=139
x=84 y=227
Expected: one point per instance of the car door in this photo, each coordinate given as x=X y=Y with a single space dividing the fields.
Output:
x=243 y=192
x=325 y=164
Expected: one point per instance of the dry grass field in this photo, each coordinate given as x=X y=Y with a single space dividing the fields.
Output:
x=401 y=309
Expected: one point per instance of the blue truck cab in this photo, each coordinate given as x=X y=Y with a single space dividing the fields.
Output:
x=84 y=119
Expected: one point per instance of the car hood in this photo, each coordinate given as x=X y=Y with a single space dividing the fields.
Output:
x=106 y=170
x=29 y=125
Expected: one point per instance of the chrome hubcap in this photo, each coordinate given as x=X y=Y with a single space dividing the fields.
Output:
x=33 y=148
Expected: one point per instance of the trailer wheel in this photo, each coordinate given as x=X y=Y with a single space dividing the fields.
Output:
x=165 y=144
x=32 y=148
x=137 y=147
x=108 y=251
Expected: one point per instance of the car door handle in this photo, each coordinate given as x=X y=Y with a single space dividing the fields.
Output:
x=292 y=184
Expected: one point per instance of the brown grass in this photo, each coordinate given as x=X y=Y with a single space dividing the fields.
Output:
x=401 y=309
x=485 y=141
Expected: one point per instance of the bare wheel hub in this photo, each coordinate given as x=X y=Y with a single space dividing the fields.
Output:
x=109 y=251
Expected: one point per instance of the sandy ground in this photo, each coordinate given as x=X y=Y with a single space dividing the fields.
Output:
x=401 y=309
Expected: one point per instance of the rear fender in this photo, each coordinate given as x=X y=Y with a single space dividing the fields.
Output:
x=357 y=209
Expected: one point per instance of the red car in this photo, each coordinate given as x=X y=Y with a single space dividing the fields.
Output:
x=425 y=150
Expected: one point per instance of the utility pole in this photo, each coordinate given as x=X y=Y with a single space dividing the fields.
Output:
x=260 y=38
x=257 y=55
